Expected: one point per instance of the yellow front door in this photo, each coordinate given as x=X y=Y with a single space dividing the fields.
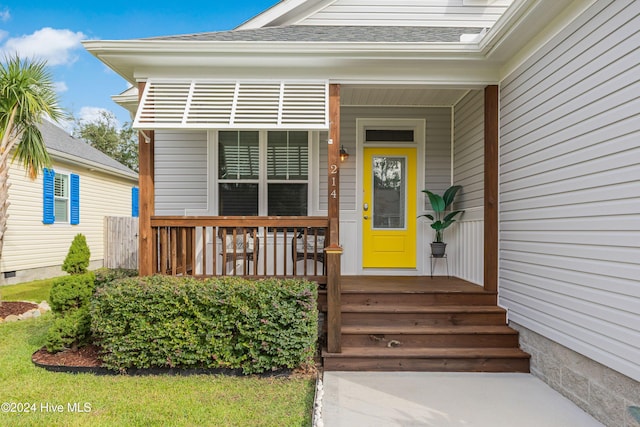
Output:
x=389 y=208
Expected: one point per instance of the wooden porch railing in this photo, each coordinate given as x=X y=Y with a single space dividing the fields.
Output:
x=243 y=246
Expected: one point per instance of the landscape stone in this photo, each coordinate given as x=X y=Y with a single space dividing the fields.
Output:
x=11 y=318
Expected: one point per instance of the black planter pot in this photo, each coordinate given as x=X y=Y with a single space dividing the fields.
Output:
x=438 y=249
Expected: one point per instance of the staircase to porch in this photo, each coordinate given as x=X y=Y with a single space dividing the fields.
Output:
x=423 y=324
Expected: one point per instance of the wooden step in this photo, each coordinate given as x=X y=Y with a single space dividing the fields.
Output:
x=419 y=315
x=427 y=359
x=421 y=298
x=429 y=336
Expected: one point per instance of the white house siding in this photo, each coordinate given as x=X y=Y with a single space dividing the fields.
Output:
x=180 y=172
x=569 y=188
x=468 y=170
x=30 y=245
x=434 y=13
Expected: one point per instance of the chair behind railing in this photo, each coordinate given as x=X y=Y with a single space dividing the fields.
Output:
x=245 y=246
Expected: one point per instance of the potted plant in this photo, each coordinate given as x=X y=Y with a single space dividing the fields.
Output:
x=441 y=220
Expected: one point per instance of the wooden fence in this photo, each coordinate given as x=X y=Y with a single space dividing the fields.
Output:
x=121 y=242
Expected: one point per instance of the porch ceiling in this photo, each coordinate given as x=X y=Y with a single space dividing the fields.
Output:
x=400 y=95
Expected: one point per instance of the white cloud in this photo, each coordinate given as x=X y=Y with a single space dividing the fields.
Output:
x=60 y=87
x=94 y=114
x=5 y=15
x=54 y=46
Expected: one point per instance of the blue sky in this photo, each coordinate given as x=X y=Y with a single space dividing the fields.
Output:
x=52 y=31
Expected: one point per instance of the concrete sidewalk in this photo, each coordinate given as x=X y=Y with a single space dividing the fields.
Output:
x=445 y=399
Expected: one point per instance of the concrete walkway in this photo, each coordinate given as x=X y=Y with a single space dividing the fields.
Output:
x=445 y=400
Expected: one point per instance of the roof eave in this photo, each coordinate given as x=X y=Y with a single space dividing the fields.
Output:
x=61 y=155
x=127 y=55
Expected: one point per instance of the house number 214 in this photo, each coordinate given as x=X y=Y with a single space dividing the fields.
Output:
x=333 y=170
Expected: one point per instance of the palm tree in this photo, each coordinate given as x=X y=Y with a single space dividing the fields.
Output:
x=27 y=95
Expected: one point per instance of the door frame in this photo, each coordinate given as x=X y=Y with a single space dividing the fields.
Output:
x=419 y=128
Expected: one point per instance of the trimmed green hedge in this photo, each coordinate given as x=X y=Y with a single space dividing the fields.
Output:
x=105 y=276
x=69 y=298
x=161 y=321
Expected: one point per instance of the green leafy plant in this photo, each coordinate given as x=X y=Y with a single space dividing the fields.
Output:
x=70 y=298
x=71 y=292
x=69 y=331
x=105 y=276
x=233 y=323
x=77 y=259
x=440 y=204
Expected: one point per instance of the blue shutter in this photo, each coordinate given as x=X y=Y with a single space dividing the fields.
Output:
x=48 y=213
x=135 y=202
x=75 y=199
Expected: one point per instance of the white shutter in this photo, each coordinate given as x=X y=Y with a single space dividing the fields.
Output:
x=204 y=104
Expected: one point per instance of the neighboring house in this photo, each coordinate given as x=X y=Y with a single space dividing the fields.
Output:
x=82 y=187
x=531 y=106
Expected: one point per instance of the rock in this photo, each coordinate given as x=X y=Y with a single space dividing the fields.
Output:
x=27 y=315
x=37 y=313
x=44 y=307
x=11 y=318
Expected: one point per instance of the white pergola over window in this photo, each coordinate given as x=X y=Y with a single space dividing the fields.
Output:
x=209 y=104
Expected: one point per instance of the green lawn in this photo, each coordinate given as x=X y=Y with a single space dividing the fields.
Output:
x=118 y=400
x=36 y=291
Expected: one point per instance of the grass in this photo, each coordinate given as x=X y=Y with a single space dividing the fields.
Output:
x=206 y=400
x=36 y=291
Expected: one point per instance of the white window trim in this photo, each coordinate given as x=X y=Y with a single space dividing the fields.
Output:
x=67 y=173
x=262 y=181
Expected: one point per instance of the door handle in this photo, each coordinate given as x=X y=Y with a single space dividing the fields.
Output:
x=366 y=217
x=365 y=207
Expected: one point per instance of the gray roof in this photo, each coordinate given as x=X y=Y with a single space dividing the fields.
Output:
x=57 y=139
x=320 y=33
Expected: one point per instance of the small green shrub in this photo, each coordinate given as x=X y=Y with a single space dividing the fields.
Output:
x=70 y=298
x=71 y=292
x=69 y=331
x=159 y=321
x=104 y=276
x=77 y=259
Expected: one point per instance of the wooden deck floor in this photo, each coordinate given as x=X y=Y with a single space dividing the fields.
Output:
x=409 y=284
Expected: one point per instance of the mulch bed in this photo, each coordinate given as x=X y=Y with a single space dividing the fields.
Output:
x=16 y=308
x=85 y=356
x=88 y=356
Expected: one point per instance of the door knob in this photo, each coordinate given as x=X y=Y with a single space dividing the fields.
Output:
x=366 y=217
x=365 y=207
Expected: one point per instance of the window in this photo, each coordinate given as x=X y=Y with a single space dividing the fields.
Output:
x=61 y=197
x=263 y=173
x=389 y=135
x=287 y=173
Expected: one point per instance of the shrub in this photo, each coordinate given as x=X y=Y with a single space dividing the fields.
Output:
x=71 y=292
x=69 y=298
x=69 y=331
x=105 y=276
x=159 y=321
x=77 y=259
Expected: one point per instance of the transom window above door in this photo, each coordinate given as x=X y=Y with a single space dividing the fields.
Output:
x=263 y=173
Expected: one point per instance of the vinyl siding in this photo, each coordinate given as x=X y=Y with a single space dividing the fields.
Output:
x=443 y=13
x=29 y=243
x=180 y=172
x=467 y=253
x=437 y=151
x=569 y=199
x=468 y=155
